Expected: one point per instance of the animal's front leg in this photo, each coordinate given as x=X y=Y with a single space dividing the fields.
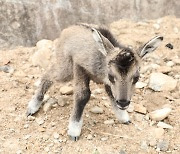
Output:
x=81 y=96
x=76 y=121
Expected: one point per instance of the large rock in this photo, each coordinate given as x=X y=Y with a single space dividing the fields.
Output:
x=43 y=53
x=162 y=82
x=25 y=22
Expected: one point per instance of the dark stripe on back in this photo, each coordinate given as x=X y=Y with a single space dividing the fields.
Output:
x=107 y=34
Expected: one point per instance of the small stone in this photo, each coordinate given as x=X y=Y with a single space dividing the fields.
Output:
x=176 y=30
x=47 y=149
x=39 y=121
x=26 y=137
x=170 y=63
x=140 y=85
x=138 y=117
x=160 y=114
x=164 y=125
x=47 y=107
x=62 y=131
x=19 y=152
x=104 y=138
x=97 y=91
x=130 y=109
x=162 y=82
x=158 y=132
x=63 y=101
x=26 y=126
x=152 y=142
x=122 y=152
x=66 y=90
x=164 y=69
x=144 y=145
x=163 y=145
x=96 y=110
x=41 y=129
x=89 y=137
x=109 y=122
x=31 y=118
x=55 y=135
x=7 y=69
x=140 y=109
x=156 y=26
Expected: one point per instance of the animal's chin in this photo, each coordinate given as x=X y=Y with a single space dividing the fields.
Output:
x=122 y=108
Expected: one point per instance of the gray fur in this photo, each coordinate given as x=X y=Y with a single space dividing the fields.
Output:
x=88 y=52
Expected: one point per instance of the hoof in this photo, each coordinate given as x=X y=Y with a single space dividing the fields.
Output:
x=127 y=122
x=74 y=138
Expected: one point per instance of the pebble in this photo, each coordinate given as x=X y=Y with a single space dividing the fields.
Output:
x=31 y=118
x=26 y=137
x=63 y=101
x=130 y=109
x=96 y=110
x=97 y=91
x=144 y=145
x=162 y=145
x=89 y=137
x=140 y=108
x=48 y=105
x=104 y=138
x=170 y=63
x=160 y=114
x=152 y=142
x=122 y=152
x=109 y=122
x=26 y=126
x=55 y=135
x=164 y=125
x=162 y=82
x=39 y=121
x=156 y=26
x=158 y=132
x=164 y=69
x=7 y=69
x=140 y=85
x=19 y=152
x=66 y=90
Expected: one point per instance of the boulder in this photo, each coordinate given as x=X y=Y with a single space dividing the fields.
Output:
x=162 y=82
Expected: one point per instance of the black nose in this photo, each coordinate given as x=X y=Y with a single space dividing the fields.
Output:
x=123 y=103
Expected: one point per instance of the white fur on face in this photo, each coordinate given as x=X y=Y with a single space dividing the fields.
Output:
x=74 y=128
x=121 y=115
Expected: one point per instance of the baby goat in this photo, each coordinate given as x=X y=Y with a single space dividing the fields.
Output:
x=88 y=52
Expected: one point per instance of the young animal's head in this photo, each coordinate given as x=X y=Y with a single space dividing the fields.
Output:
x=123 y=66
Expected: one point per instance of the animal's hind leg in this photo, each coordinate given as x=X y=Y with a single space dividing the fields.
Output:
x=37 y=99
x=81 y=96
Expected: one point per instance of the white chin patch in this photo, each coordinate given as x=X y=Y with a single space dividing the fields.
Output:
x=74 y=128
x=121 y=115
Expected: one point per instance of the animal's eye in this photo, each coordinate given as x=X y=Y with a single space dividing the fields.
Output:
x=111 y=78
x=135 y=79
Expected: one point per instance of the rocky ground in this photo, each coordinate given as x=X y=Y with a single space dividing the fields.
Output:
x=150 y=132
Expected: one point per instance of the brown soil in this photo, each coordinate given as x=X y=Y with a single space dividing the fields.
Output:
x=20 y=135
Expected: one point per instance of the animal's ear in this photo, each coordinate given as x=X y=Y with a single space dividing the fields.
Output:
x=104 y=43
x=150 y=46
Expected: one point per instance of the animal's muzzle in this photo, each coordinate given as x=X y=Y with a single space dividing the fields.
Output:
x=122 y=104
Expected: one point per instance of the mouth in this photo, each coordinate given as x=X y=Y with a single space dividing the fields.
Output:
x=122 y=108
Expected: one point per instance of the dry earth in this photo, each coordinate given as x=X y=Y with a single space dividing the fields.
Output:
x=46 y=131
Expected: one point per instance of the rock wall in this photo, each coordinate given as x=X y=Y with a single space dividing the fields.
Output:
x=24 y=22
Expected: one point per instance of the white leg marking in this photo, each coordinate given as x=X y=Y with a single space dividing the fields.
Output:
x=74 y=128
x=33 y=106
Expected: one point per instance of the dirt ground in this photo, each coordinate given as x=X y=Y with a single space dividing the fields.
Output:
x=27 y=136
